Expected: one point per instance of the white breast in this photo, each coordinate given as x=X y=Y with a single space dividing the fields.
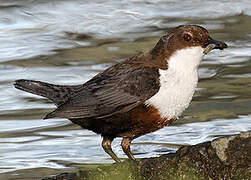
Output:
x=177 y=83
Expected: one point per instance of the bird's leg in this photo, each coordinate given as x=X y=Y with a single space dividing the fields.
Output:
x=126 y=142
x=106 y=144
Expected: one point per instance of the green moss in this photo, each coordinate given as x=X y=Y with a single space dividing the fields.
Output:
x=123 y=171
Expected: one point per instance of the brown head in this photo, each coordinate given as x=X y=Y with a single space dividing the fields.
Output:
x=184 y=37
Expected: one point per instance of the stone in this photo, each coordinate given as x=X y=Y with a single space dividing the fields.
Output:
x=227 y=157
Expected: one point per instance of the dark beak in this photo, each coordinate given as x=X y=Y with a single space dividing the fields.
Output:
x=214 y=44
x=218 y=44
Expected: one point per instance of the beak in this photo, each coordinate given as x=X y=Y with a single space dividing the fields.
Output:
x=214 y=44
x=218 y=44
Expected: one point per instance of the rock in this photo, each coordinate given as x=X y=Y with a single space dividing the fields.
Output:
x=227 y=157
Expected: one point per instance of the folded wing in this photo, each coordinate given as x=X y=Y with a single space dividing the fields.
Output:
x=111 y=92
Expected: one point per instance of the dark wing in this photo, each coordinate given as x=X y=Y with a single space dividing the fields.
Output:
x=57 y=93
x=116 y=90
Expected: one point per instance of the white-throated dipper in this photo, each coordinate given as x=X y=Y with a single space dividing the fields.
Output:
x=140 y=95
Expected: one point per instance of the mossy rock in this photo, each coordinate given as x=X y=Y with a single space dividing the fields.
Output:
x=227 y=157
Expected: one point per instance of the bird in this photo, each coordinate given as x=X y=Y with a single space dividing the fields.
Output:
x=137 y=96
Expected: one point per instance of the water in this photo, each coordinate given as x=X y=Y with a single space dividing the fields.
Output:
x=68 y=42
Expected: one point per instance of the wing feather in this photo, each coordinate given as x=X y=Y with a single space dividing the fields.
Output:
x=110 y=93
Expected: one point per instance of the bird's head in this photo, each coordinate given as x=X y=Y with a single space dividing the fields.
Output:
x=187 y=44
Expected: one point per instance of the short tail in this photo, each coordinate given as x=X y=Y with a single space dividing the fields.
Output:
x=57 y=93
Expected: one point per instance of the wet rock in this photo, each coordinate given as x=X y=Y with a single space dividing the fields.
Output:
x=227 y=157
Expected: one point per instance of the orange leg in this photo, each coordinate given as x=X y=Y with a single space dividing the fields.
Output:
x=106 y=144
x=126 y=142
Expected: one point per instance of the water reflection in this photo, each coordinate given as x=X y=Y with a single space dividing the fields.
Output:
x=30 y=28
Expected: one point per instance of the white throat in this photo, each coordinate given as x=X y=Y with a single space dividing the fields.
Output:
x=177 y=83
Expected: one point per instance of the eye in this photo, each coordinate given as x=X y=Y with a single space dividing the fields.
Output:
x=165 y=38
x=187 y=37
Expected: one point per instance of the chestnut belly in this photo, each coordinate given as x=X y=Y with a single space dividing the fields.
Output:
x=134 y=123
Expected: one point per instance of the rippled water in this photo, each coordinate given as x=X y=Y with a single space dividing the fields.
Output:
x=68 y=42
